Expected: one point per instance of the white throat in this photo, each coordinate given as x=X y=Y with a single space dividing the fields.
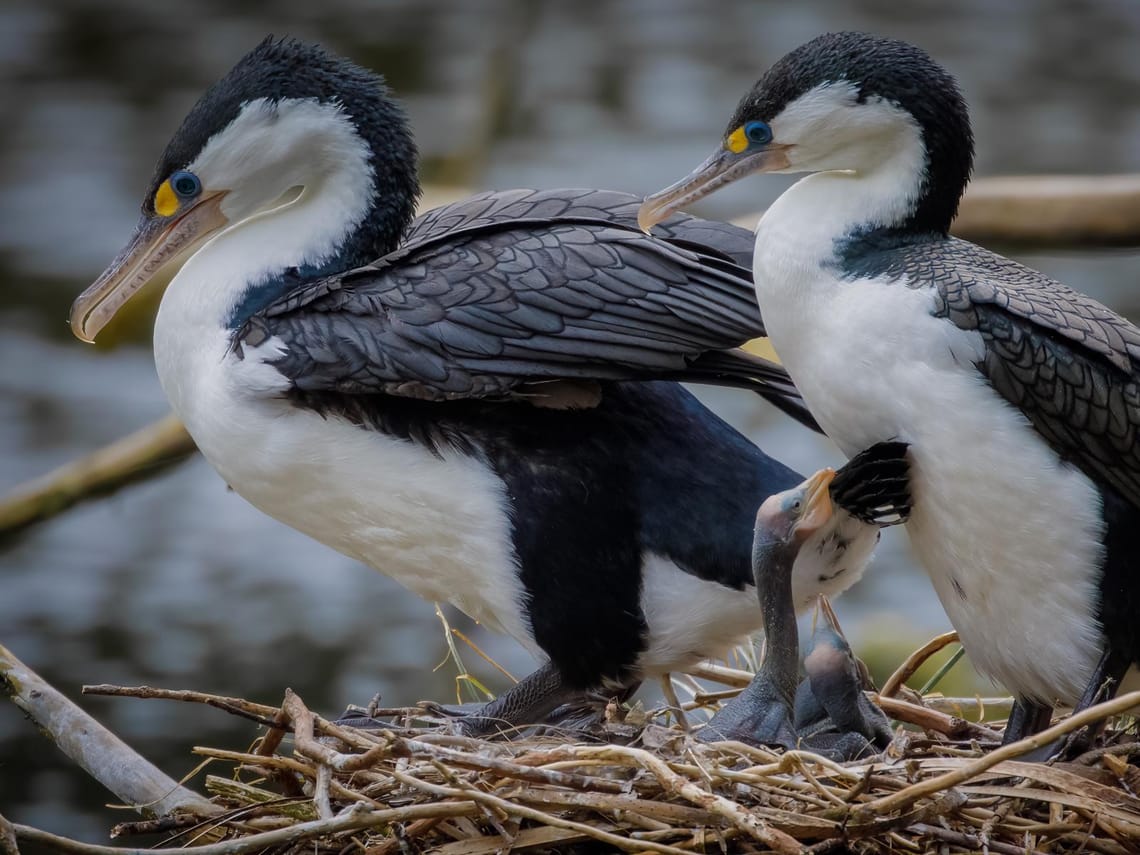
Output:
x=871 y=169
x=299 y=181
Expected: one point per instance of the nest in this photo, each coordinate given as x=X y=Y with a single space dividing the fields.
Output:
x=641 y=783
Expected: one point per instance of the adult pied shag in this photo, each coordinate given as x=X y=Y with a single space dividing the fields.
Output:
x=480 y=403
x=1018 y=396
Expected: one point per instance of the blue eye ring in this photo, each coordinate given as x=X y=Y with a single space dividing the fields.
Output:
x=758 y=132
x=186 y=185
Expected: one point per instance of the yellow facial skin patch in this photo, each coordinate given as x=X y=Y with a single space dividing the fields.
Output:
x=165 y=201
x=736 y=142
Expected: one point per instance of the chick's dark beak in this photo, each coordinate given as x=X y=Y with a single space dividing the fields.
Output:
x=157 y=242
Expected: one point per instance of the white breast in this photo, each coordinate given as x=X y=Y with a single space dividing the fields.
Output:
x=436 y=525
x=1010 y=537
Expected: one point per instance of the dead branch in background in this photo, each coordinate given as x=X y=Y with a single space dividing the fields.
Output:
x=136 y=457
x=1052 y=211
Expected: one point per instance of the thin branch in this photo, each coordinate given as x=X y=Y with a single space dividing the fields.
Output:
x=910 y=794
x=99 y=752
x=915 y=661
x=261 y=713
x=737 y=815
x=353 y=819
x=952 y=726
x=514 y=809
x=971 y=841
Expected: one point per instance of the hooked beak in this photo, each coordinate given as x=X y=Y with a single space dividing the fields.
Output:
x=157 y=242
x=817 y=503
x=724 y=167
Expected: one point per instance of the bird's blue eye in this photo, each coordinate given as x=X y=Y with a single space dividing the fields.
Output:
x=758 y=133
x=185 y=184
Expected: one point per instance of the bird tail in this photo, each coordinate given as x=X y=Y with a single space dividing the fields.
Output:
x=741 y=370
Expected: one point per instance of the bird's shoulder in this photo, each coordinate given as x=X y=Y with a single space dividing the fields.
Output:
x=1012 y=304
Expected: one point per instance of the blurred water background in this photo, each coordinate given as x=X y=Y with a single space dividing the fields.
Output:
x=178 y=582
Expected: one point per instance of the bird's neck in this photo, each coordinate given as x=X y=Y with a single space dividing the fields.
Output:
x=329 y=228
x=807 y=226
x=773 y=562
x=334 y=225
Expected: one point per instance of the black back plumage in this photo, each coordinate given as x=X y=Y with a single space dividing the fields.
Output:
x=492 y=294
x=899 y=73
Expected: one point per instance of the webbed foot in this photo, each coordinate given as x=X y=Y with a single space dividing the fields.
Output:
x=759 y=715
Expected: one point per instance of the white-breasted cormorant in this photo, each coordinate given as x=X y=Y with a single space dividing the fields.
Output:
x=1019 y=396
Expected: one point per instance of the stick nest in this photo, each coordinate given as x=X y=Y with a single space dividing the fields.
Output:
x=645 y=785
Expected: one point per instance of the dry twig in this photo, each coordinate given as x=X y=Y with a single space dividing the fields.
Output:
x=99 y=752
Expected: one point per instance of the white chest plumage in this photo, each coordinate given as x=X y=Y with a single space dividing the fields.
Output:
x=1009 y=536
x=434 y=524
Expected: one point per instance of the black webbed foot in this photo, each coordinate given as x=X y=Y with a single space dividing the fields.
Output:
x=874 y=485
x=529 y=702
x=759 y=715
x=1029 y=717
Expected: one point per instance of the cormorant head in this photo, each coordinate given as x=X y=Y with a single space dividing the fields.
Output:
x=289 y=123
x=786 y=520
x=845 y=102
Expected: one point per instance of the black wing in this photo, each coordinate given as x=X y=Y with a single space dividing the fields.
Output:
x=492 y=209
x=1067 y=362
x=493 y=294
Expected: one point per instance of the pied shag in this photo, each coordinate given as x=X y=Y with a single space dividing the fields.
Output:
x=828 y=712
x=481 y=403
x=1018 y=396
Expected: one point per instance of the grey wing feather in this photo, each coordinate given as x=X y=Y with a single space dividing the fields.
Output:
x=605 y=207
x=483 y=309
x=1067 y=362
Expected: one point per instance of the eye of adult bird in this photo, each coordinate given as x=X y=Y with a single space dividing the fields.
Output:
x=180 y=187
x=186 y=184
x=758 y=132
